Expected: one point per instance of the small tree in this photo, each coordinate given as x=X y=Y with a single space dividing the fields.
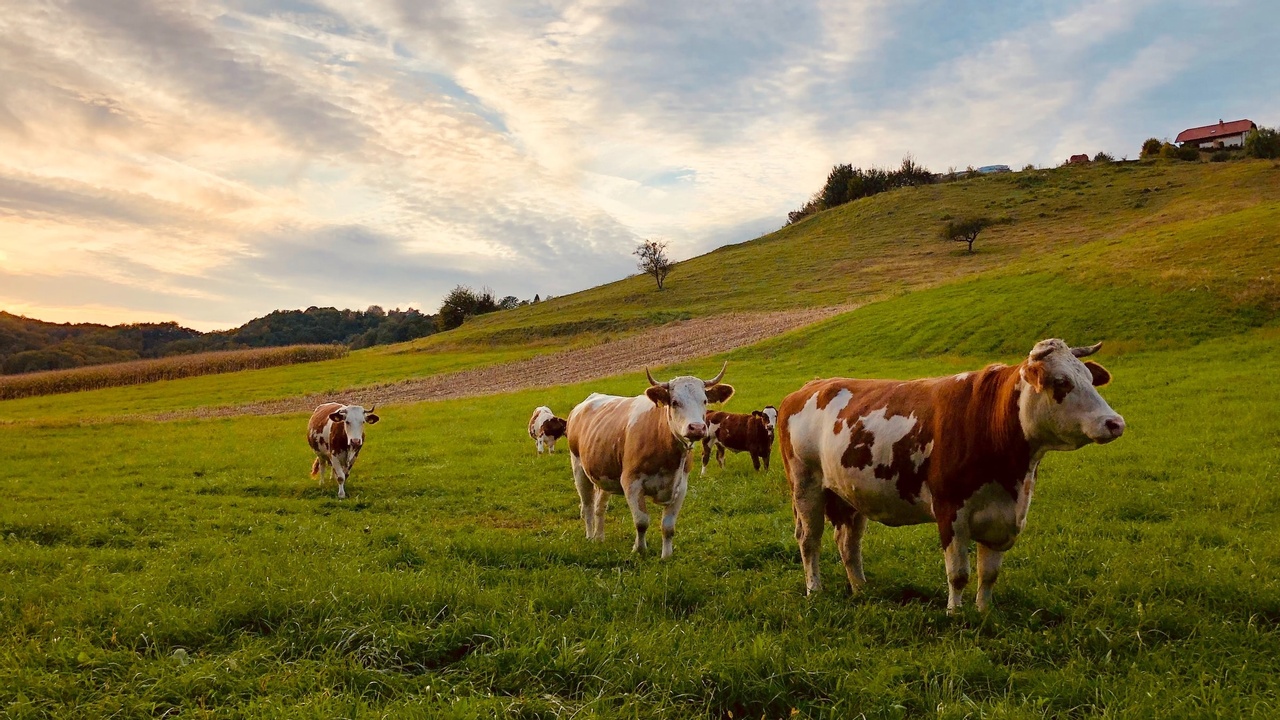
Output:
x=654 y=260
x=1151 y=147
x=1103 y=157
x=1263 y=143
x=965 y=230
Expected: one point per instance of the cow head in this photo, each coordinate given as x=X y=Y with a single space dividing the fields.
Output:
x=685 y=401
x=770 y=414
x=1060 y=405
x=354 y=418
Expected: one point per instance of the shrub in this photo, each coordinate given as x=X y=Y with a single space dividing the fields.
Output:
x=1103 y=157
x=1189 y=152
x=1151 y=147
x=1220 y=156
x=461 y=303
x=1263 y=143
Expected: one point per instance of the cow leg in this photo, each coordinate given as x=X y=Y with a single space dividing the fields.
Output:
x=767 y=452
x=602 y=505
x=755 y=461
x=634 y=490
x=988 y=568
x=957 y=558
x=706 y=454
x=849 y=541
x=551 y=446
x=809 y=506
x=586 y=495
x=720 y=455
x=339 y=474
x=669 y=513
x=539 y=445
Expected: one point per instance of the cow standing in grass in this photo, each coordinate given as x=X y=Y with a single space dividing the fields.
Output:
x=958 y=451
x=752 y=434
x=336 y=434
x=642 y=448
x=545 y=428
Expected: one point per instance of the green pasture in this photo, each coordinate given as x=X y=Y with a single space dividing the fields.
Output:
x=195 y=567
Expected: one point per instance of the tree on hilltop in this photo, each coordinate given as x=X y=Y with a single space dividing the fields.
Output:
x=653 y=260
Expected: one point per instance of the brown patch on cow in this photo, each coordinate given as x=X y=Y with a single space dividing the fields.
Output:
x=315 y=426
x=338 y=442
x=972 y=422
x=1101 y=376
x=659 y=395
x=554 y=428
x=1034 y=374
x=610 y=447
x=1062 y=387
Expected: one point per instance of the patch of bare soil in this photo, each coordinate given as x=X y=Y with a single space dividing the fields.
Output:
x=665 y=345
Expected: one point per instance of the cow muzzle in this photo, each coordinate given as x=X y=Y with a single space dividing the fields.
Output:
x=695 y=431
x=1109 y=429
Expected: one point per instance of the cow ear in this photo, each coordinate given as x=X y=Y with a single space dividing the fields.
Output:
x=337 y=416
x=659 y=395
x=1033 y=373
x=719 y=393
x=1101 y=376
x=371 y=419
x=757 y=413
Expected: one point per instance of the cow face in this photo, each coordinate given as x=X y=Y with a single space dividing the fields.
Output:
x=685 y=401
x=770 y=414
x=1060 y=405
x=354 y=418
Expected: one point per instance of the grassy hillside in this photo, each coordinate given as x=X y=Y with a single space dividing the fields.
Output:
x=1139 y=254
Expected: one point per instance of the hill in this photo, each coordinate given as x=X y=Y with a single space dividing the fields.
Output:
x=28 y=345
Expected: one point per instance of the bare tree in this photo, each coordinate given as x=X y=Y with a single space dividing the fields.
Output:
x=654 y=260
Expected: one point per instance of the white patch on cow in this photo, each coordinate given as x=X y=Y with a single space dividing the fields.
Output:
x=961 y=377
x=887 y=431
x=918 y=456
x=640 y=406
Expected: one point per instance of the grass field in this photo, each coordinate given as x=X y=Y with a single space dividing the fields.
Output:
x=193 y=567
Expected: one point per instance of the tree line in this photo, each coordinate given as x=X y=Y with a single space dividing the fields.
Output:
x=29 y=345
x=847 y=183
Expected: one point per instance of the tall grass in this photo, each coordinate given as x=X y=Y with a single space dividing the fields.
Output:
x=168 y=368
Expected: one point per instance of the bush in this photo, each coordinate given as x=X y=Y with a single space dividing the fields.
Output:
x=1263 y=143
x=461 y=303
x=1189 y=152
x=846 y=183
x=1103 y=157
x=1220 y=156
x=1151 y=147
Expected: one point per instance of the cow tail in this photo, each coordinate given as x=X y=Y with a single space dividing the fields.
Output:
x=315 y=467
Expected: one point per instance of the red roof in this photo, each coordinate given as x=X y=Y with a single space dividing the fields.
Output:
x=1219 y=129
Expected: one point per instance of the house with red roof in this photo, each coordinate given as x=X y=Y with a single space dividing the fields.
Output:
x=1222 y=135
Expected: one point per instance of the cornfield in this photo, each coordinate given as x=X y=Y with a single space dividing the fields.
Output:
x=167 y=368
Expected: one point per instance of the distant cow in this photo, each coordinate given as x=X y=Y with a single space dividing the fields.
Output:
x=959 y=451
x=640 y=447
x=336 y=434
x=740 y=433
x=545 y=428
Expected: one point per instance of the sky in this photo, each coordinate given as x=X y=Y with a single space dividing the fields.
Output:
x=209 y=161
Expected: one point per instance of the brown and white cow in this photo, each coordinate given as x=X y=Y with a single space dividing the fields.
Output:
x=545 y=428
x=336 y=434
x=959 y=451
x=640 y=447
x=740 y=433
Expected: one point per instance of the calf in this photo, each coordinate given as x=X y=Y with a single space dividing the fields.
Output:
x=740 y=433
x=545 y=428
x=959 y=451
x=640 y=447
x=336 y=434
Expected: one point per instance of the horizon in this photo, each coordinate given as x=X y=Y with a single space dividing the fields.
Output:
x=211 y=163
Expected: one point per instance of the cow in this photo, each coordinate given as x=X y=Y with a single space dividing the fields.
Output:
x=958 y=451
x=545 y=428
x=740 y=433
x=336 y=434
x=640 y=447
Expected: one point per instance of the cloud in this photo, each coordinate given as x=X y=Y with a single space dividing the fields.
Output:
x=218 y=159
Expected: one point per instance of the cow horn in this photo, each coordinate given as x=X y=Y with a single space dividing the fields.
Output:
x=1086 y=351
x=716 y=380
x=655 y=382
x=372 y=408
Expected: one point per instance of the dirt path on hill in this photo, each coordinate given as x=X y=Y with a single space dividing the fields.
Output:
x=671 y=343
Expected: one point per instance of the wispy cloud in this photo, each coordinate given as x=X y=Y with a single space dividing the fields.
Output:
x=211 y=160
